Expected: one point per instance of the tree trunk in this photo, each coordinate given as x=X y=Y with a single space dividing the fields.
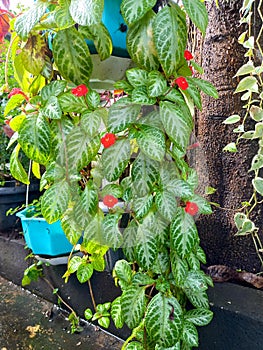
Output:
x=227 y=172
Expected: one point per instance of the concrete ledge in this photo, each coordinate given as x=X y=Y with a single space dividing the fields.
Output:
x=238 y=310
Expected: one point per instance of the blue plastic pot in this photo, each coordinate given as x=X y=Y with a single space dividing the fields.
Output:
x=43 y=238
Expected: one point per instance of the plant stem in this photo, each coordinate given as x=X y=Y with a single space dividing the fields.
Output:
x=59 y=297
x=92 y=296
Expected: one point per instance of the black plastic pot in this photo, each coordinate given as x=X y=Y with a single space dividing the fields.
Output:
x=12 y=195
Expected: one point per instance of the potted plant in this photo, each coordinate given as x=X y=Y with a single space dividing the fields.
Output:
x=126 y=148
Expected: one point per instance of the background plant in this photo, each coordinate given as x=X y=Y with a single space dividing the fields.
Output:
x=133 y=153
x=251 y=126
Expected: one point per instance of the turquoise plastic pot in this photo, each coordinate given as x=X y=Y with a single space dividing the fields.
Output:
x=43 y=238
x=116 y=26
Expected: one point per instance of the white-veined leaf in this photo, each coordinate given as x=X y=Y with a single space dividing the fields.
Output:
x=184 y=236
x=170 y=37
x=196 y=10
x=86 y=12
x=133 y=304
x=163 y=320
x=115 y=159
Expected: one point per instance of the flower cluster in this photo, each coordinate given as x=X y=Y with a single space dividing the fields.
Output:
x=108 y=140
x=80 y=90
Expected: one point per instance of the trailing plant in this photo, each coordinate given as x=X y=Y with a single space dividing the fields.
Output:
x=250 y=121
x=126 y=149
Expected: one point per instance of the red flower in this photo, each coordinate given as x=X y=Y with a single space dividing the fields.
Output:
x=17 y=91
x=192 y=70
x=182 y=83
x=187 y=55
x=80 y=90
x=108 y=140
x=191 y=208
x=110 y=200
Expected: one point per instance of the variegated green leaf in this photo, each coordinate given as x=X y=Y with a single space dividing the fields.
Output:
x=142 y=279
x=116 y=313
x=55 y=88
x=52 y=108
x=184 y=236
x=112 y=189
x=99 y=34
x=86 y=12
x=204 y=86
x=152 y=119
x=196 y=10
x=199 y=299
x=133 y=304
x=157 y=84
x=151 y=142
x=55 y=201
x=179 y=269
x=129 y=240
x=195 y=281
x=133 y=11
x=115 y=159
x=71 y=227
x=258 y=185
x=170 y=37
x=175 y=123
x=144 y=174
x=111 y=234
x=91 y=122
x=123 y=271
x=166 y=204
x=84 y=272
x=146 y=246
x=201 y=254
x=179 y=188
x=25 y=22
x=16 y=167
x=34 y=137
x=142 y=205
x=190 y=334
x=199 y=317
x=89 y=198
x=137 y=77
x=81 y=148
x=193 y=261
x=74 y=264
x=62 y=15
x=195 y=95
x=134 y=346
x=140 y=43
x=93 y=232
x=164 y=320
x=34 y=54
x=72 y=103
x=93 y=99
x=204 y=206
x=140 y=95
x=121 y=115
x=73 y=61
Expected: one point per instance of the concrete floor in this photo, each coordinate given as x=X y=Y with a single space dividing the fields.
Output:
x=28 y=322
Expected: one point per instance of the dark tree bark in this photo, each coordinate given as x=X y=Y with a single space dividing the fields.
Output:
x=222 y=56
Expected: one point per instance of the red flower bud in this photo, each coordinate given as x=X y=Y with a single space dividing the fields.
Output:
x=182 y=83
x=191 y=208
x=108 y=140
x=110 y=201
x=187 y=55
x=80 y=90
x=17 y=91
x=192 y=70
